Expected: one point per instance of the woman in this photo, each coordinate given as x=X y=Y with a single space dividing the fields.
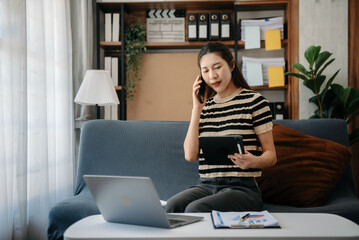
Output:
x=229 y=107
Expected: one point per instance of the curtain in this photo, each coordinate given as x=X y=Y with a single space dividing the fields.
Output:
x=36 y=114
x=83 y=56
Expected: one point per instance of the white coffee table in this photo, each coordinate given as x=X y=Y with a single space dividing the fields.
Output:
x=293 y=226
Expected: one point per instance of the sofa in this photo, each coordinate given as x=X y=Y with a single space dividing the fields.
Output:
x=155 y=149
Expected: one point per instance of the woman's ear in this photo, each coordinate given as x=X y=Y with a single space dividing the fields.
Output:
x=233 y=65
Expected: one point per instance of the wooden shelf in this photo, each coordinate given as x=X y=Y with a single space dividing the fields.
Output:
x=134 y=11
x=261 y=5
x=266 y=87
x=173 y=45
x=167 y=4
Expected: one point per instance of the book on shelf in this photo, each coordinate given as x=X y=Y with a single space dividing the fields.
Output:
x=108 y=27
x=112 y=27
x=116 y=27
x=111 y=65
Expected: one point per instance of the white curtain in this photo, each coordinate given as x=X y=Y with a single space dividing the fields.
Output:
x=36 y=114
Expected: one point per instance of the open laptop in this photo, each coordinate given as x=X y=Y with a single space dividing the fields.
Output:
x=132 y=200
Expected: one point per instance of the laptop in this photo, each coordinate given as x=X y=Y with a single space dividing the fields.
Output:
x=132 y=200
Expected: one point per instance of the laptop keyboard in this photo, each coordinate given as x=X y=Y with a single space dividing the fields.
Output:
x=175 y=218
x=175 y=221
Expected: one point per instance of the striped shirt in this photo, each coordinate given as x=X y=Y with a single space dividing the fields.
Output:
x=246 y=113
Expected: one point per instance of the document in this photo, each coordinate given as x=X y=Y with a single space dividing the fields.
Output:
x=253 y=39
x=261 y=219
x=275 y=76
x=254 y=74
x=264 y=24
x=272 y=39
x=265 y=62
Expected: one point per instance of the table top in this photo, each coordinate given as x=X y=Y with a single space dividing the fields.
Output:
x=293 y=225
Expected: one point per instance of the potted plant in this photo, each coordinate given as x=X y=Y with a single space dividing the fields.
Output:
x=332 y=100
x=135 y=46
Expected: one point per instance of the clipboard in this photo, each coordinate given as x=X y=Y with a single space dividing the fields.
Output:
x=217 y=148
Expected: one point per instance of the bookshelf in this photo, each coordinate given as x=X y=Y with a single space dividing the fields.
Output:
x=131 y=12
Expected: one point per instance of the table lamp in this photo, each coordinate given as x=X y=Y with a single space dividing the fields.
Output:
x=97 y=89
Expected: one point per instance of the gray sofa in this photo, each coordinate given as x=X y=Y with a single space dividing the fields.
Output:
x=155 y=149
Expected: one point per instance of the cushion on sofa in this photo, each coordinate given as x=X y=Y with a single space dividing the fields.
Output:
x=307 y=169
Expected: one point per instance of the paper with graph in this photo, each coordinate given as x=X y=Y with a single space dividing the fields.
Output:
x=262 y=219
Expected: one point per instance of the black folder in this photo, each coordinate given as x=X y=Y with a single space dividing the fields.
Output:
x=214 y=26
x=225 y=26
x=192 y=27
x=277 y=110
x=203 y=26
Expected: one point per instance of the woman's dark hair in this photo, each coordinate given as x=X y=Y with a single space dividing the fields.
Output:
x=226 y=54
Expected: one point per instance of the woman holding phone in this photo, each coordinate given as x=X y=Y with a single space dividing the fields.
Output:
x=229 y=107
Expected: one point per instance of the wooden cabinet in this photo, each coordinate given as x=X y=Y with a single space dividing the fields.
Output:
x=133 y=11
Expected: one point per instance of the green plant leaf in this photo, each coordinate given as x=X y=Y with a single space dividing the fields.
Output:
x=322 y=57
x=314 y=100
x=300 y=68
x=298 y=75
x=352 y=116
x=329 y=83
x=354 y=136
x=316 y=114
x=328 y=112
x=338 y=90
x=135 y=38
x=343 y=93
x=325 y=66
x=311 y=55
x=314 y=84
x=354 y=105
x=309 y=83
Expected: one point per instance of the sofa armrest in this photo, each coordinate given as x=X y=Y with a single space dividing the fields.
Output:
x=68 y=211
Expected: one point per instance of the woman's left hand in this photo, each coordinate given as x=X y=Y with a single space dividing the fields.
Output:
x=243 y=161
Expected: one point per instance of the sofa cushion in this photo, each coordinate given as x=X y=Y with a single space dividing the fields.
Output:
x=307 y=169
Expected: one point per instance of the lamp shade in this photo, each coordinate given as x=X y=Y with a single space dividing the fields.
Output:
x=97 y=88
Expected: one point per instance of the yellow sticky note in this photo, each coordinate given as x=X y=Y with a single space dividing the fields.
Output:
x=272 y=39
x=275 y=76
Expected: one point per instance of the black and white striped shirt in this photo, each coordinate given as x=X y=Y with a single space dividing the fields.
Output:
x=246 y=113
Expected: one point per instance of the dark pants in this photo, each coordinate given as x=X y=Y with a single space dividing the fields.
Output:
x=221 y=194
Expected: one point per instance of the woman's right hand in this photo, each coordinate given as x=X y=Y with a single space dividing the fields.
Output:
x=196 y=87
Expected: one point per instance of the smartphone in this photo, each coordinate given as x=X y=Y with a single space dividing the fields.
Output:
x=201 y=91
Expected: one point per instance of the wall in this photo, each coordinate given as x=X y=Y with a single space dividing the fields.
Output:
x=324 y=23
x=164 y=91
